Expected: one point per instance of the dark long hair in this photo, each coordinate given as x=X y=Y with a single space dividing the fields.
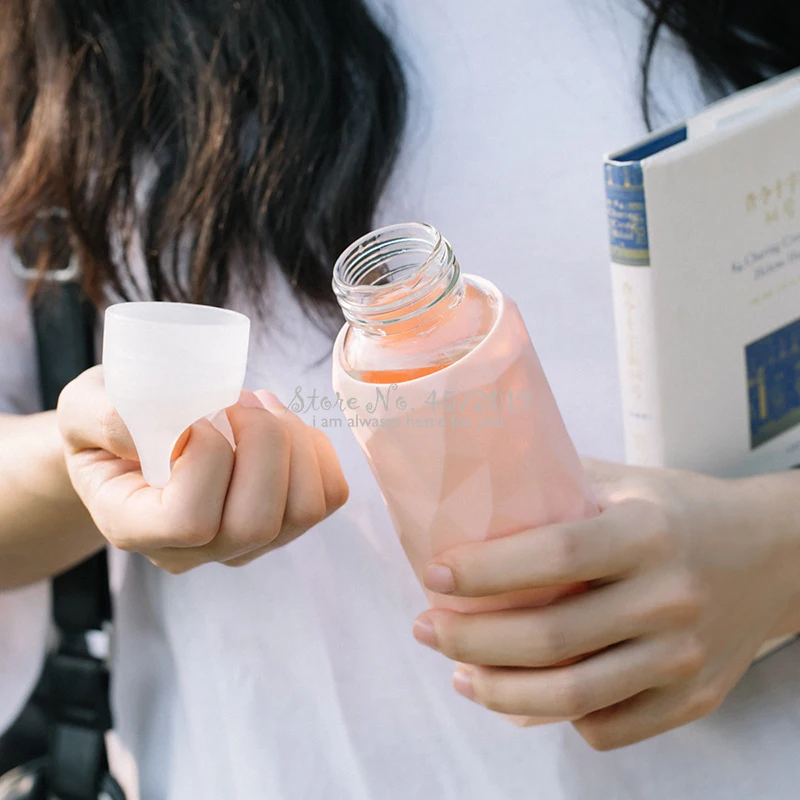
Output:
x=273 y=126
x=735 y=43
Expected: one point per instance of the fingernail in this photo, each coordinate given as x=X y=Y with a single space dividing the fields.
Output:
x=439 y=578
x=424 y=633
x=249 y=400
x=462 y=682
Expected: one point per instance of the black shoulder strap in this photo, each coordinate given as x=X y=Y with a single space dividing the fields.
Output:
x=76 y=679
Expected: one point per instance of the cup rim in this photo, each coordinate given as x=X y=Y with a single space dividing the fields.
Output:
x=213 y=315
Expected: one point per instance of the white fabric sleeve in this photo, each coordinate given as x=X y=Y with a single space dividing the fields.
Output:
x=24 y=613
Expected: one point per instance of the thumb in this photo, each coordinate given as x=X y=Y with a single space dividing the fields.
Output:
x=88 y=421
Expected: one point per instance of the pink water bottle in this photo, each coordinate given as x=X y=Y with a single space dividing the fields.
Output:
x=443 y=390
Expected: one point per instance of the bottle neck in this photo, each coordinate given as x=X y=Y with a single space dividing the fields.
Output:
x=397 y=279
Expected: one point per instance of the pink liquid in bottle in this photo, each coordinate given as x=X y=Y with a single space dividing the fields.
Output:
x=446 y=396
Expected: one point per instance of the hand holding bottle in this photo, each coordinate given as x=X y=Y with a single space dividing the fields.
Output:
x=691 y=576
x=219 y=505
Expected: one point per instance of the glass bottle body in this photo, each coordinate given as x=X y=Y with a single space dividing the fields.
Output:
x=447 y=398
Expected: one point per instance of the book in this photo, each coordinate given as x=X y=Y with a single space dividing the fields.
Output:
x=704 y=223
x=704 y=227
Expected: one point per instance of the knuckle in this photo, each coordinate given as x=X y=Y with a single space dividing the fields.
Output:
x=574 y=697
x=117 y=537
x=487 y=693
x=689 y=659
x=244 y=539
x=255 y=534
x=339 y=494
x=198 y=535
x=336 y=488
x=549 y=641
x=190 y=530
x=124 y=543
x=564 y=552
x=704 y=701
x=452 y=639
x=684 y=599
x=305 y=515
x=270 y=535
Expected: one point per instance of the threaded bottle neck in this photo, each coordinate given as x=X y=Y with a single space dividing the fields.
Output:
x=387 y=279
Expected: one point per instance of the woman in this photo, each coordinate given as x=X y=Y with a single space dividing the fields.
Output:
x=259 y=135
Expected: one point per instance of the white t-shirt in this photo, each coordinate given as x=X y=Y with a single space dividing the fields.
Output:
x=296 y=678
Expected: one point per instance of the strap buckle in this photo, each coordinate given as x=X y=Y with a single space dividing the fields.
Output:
x=66 y=274
x=97 y=643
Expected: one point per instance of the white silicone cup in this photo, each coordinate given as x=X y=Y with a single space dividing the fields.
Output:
x=167 y=365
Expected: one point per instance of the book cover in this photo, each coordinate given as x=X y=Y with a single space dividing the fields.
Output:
x=704 y=223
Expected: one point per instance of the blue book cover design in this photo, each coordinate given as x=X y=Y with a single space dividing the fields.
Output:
x=773 y=383
x=625 y=199
x=627 y=219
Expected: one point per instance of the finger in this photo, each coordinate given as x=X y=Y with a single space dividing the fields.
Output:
x=579 y=689
x=186 y=513
x=334 y=484
x=335 y=488
x=305 y=502
x=568 y=629
x=259 y=485
x=608 y=546
x=577 y=625
x=88 y=421
x=648 y=714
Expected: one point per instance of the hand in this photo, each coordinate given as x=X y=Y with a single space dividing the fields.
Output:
x=219 y=505
x=690 y=575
